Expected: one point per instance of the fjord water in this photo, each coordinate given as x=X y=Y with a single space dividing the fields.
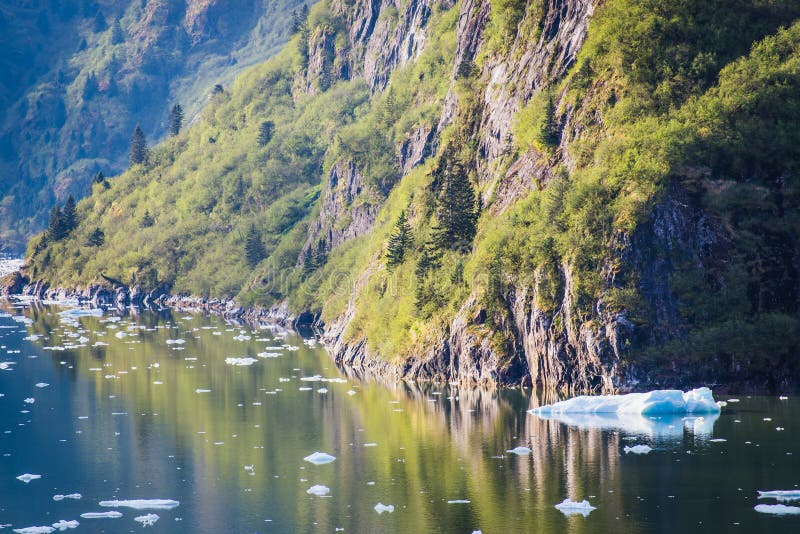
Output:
x=144 y=406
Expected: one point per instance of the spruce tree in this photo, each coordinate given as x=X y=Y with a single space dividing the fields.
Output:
x=55 y=229
x=399 y=242
x=265 y=132
x=96 y=239
x=175 y=120
x=254 y=247
x=456 y=211
x=69 y=215
x=138 y=147
x=117 y=36
x=100 y=24
x=428 y=261
x=147 y=220
x=89 y=87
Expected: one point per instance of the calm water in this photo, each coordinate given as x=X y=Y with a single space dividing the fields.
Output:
x=126 y=421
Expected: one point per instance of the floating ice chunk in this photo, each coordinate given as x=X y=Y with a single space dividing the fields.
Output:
x=176 y=341
x=102 y=515
x=29 y=400
x=521 y=451
x=198 y=390
x=370 y=444
x=147 y=520
x=142 y=504
x=319 y=458
x=380 y=508
x=781 y=495
x=718 y=440
x=351 y=392
x=568 y=507
x=458 y=501
x=240 y=361
x=82 y=312
x=777 y=509
x=322 y=390
x=42 y=384
x=27 y=477
x=783 y=397
x=318 y=490
x=242 y=337
x=60 y=497
x=121 y=334
x=638 y=449
x=34 y=530
x=65 y=525
x=269 y=354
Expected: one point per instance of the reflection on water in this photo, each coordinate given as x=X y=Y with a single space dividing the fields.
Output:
x=143 y=406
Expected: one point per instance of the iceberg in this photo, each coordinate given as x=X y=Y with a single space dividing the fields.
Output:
x=142 y=504
x=65 y=525
x=568 y=507
x=34 y=530
x=318 y=490
x=240 y=361
x=102 y=515
x=777 y=509
x=319 y=458
x=27 y=477
x=638 y=449
x=780 y=495
x=60 y=497
x=147 y=520
x=520 y=450
x=380 y=508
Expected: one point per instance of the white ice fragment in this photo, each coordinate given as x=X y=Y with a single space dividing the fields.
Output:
x=176 y=341
x=102 y=515
x=351 y=392
x=318 y=490
x=322 y=390
x=65 y=525
x=777 y=509
x=718 y=440
x=783 y=397
x=319 y=458
x=638 y=449
x=147 y=520
x=34 y=530
x=380 y=508
x=370 y=444
x=198 y=390
x=269 y=354
x=60 y=497
x=568 y=507
x=29 y=400
x=27 y=477
x=520 y=450
x=121 y=334
x=781 y=495
x=142 y=504
x=458 y=501
x=42 y=384
x=240 y=361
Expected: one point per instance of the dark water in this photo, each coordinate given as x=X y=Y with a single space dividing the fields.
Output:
x=125 y=421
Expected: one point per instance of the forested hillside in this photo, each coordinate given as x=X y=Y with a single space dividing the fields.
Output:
x=76 y=77
x=586 y=195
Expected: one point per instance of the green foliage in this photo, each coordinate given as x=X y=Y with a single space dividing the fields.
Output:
x=96 y=239
x=175 y=120
x=535 y=125
x=456 y=209
x=400 y=242
x=139 y=150
x=265 y=131
x=254 y=247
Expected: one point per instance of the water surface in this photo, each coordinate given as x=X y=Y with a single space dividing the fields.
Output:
x=144 y=406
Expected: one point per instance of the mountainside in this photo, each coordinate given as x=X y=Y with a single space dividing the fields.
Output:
x=584 y=195
x=76 y=77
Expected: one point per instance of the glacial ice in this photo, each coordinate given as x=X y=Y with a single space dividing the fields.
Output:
x=638 y=449
x=520 y=450
x=242 y=362
x=29 y=400
x=102 y=515
x=319 y=458
x=65 y=525
x=568 y=507
x=34 y=530
x=142 y=504
x=380 y=508
x=318 y=490
x=27 y=477
x=60 y=497
x=147 y=520
x=42 y=384
x=777 y=509
x=780 y=495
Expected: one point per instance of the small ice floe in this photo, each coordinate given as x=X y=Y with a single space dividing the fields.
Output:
x=718 y=440
x=319 y=458
x=242 y=362
x=34 y=530
x=242 y=337
x=29 y=400
x=27 y=477
x=318 y=490
x=777 y=509
x=42 y=384
x=568 y=507
x=370 y=444
x=638 y=449
x=458 y=501
x=780 y=495
x=733 y=400
x=102 y=515
x=351 y=392
x=60 y=497
x=249 y=468
x=380 y=508
x=176 y=341
x=521 y=451
x=199 y=390
x=322 y=390
x=121 y=334
x=147 y=520
x=783 y=397
x=269 y=354
x=142 y=504
x=65 y=525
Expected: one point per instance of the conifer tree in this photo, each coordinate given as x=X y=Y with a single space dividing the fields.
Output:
x=399 y=242
x=55 y=229
x=254 y=247
x=265 y=132
x=147 y=220
x=69 y=215
x=138 y=147
x=96 y=239
x=89 y=87
x=100 y=24
x=175 y=120
x=456 y=211
x=429 y=260
x=117 y=36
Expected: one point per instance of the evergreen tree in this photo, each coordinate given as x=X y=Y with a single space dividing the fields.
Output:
x=147 y=220
x=138 y=147
x=548 y=134
x=399 y=242
x=117 y=36
x=295 y=25
x=100 y=24
x=96 y=239
x=175 y=120
x=56 y=230
x=302 y=44
x=265 y=132
x=428 y=261
x=69 y=215
x=254 y=247
x=456 y=211
x=89 y=87
x=308 y=263
x=389 y=107
x=82 y=45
